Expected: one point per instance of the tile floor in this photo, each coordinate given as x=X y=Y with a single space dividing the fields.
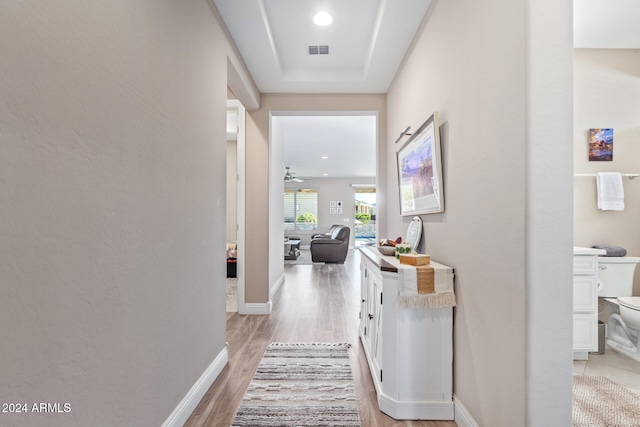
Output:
x=612 y=365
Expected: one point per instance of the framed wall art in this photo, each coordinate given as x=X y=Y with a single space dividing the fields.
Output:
x=420 y=171
x=601 y=145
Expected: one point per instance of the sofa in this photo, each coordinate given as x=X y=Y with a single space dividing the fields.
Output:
x=333 y=248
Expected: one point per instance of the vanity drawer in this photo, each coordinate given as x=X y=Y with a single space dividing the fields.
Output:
x=585 y=264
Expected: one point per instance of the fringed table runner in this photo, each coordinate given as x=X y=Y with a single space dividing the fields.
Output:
x=413 y=281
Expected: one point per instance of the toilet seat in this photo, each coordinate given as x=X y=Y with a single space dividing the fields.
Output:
x=632 y=303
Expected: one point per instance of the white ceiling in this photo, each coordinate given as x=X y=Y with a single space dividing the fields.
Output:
x=349 y=142
x=367 y=41
x=607 y=24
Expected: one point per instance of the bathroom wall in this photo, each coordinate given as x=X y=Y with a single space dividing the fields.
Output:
x=607 y=94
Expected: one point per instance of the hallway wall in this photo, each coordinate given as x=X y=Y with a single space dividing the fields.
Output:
x=112 y=181
x=507 y=192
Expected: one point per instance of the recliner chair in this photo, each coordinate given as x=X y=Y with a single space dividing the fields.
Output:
x=333 y=227
x=331 y=249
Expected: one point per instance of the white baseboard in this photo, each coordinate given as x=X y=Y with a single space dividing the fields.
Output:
x=462 y=417
x=189 y=402
x=256 y=308
x=277 y=285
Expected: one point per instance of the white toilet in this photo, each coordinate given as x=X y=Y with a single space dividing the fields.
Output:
x=615 y=284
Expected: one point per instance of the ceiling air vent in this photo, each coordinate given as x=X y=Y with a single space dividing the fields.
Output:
x=322 y=49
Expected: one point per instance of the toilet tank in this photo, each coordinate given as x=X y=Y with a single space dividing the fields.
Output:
x=616 y=275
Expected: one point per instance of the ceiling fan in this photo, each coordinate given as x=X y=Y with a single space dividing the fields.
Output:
x=290 y=176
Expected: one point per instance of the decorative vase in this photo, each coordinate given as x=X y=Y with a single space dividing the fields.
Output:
x=402 y=248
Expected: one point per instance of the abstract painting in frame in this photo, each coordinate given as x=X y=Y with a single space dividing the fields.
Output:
x=601 y=145
x=420 y=171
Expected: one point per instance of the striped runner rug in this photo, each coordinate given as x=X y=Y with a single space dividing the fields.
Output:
x=301 y=384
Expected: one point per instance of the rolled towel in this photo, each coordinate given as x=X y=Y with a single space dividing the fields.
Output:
x=612 y=251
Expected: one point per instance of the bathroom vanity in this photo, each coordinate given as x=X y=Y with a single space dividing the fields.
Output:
x=409 y=351
x=585 y=301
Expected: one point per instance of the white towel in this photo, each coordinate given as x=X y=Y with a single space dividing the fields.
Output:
x=610 y=191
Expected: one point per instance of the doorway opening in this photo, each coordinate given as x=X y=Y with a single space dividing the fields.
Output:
x=365 y=216
x=235 y=248
x=324 y=154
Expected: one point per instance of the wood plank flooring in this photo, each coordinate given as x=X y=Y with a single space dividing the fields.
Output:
x=317 y=303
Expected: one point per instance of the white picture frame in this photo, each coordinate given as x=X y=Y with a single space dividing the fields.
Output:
x=420 y=171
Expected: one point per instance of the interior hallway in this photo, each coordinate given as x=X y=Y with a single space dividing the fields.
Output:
x=317 y=303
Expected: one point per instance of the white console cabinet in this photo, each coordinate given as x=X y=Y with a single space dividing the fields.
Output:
x=585 y=301
x=409 y=351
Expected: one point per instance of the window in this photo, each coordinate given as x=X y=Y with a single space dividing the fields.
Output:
x=300 y=209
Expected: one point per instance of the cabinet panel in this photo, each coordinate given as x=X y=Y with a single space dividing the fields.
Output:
x=376 y=322
x=364 y=303
x=585 y=304
x=585 y=332
x=585 y=298
x=585 y=264
x=409 y=351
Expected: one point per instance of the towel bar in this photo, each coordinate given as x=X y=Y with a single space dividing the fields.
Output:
x=628 y=175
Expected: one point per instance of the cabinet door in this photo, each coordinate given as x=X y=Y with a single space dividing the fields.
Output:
x=585 y=297
x=585 y=332
x=364 y=300
x=376 y=312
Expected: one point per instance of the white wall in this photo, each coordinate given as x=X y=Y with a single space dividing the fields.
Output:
x=607 y=94
x=483 y=67
x=276 y=204
x=112 y=181
x=232 y=182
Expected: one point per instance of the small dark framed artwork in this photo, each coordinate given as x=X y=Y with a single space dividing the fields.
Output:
x=601 y=145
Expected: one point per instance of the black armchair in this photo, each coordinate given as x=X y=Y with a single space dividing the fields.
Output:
x=331 y=249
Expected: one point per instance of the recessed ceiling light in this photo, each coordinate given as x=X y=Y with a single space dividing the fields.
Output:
x=322 y=19
x=324 y=157
x=325 y=174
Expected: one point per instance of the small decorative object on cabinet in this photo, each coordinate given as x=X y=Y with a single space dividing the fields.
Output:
x=409 y=350
x=585 y=301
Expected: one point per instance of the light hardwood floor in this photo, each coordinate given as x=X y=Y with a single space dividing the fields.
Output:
x=317 y=303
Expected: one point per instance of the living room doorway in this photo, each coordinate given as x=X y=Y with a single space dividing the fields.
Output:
x=323 y=153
